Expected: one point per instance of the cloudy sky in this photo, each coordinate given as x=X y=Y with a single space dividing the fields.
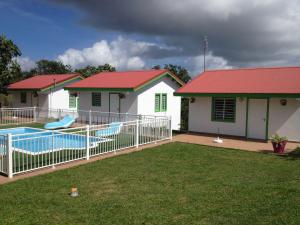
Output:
x=137 y=34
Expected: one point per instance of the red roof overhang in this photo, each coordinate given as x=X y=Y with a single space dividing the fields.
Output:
x=42 y=82
x=121 y=81
x=260 y=82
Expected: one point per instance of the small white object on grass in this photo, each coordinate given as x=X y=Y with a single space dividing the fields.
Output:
x=218 y=140
x=74 y=192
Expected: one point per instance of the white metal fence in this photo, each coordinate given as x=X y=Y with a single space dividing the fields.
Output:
x=91 y=117
x=43 y=148
x=15 y=116
x=3 y=154
x=10 y=116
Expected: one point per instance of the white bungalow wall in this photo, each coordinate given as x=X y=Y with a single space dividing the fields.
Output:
x=140 y=102
x=200 y=118
x=127 y=104
x=56 y=98
x=16 y=102
x=284 y=120
x=146 y=100
x=31 y=100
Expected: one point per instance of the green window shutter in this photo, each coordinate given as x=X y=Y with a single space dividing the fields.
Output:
x=23 y=97
x=72 y=101
x=223 y=109
x=157 y=102
x=164 y=102
x=96 y=99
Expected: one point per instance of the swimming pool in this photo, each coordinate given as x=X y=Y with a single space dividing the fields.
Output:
x=39 y=141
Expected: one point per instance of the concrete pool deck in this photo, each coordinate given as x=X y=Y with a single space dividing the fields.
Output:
x=232 y=142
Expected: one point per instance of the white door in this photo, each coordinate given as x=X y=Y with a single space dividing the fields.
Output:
x=114 y=103
x=257 y=118
x=35 y=100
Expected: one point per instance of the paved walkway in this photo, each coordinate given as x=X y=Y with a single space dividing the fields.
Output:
x=228 y=142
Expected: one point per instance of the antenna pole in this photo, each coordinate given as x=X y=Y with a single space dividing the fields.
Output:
x=205 y=46
x=204 y=60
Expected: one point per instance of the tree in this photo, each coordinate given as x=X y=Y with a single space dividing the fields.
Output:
x=179 y=71
x=156 y=67
x=48 y=67
x=90 y=70
x=183 y=74
x=10 y=70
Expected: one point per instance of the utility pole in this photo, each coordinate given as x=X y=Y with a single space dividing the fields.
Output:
x=205 y=47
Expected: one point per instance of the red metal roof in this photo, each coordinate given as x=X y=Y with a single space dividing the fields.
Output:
x=41 y=81
x=120 y=80
x=284 y=80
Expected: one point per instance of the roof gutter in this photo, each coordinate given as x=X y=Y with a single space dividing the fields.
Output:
x=99 y=89
x=253 y=95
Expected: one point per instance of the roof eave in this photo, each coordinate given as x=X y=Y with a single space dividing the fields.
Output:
x=250 y=95
x=61 y=82
x=47 y=87
x=163 y=74
x=99 y=89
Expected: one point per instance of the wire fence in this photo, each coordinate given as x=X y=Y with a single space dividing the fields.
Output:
x=11 y=116
x=35 y=148
x=3 y=154
x=15 y=116
x=90 y=117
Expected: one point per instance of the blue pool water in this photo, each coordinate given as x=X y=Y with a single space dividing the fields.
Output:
x=35 y=140
x=20 y=130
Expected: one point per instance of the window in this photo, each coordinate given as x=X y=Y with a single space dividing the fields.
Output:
x=223 y=109
x=96 y=99
x=23 y=97
x=72 y=101
x=161 y=102
x=157 y=102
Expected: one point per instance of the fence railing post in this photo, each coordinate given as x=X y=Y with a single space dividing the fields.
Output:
x=87 y=142
x=59 y=113
x=137 y=134
x=170 y=128
x=53 y=147
x=1 y=115
x=34 y=114
x=90 y=117
x=9 y=156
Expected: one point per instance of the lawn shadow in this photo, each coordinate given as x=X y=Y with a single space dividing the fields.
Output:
x=293 y=155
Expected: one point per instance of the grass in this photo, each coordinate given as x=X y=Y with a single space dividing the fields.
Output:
x=34 y=125
x=171 y=184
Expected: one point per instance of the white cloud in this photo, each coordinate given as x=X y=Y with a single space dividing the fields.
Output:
x=243 y=32
x=135 y=63
x=26 y=63
x=211 y=62
x=122 y=53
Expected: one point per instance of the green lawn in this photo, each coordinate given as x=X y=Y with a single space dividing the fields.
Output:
x=35 y=125
x=170 y=184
